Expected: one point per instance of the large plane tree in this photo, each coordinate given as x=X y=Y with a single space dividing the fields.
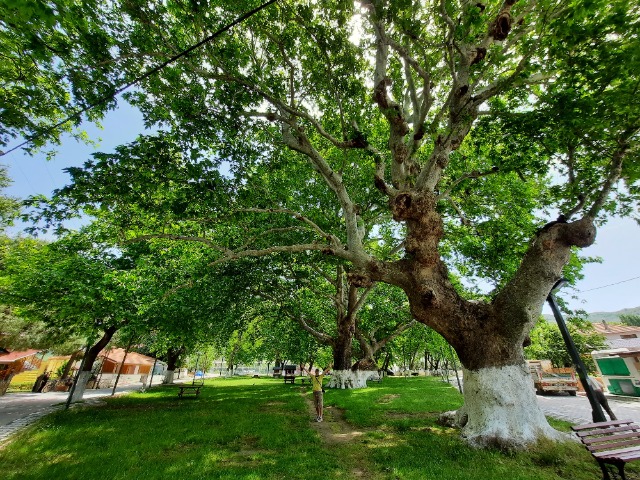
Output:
x=419 y=142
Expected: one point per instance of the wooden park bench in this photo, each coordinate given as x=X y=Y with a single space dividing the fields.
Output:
x=614 y=443
x=290 y=379
x=184 y=389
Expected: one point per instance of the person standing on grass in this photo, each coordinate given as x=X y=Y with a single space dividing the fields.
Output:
x=316 y=384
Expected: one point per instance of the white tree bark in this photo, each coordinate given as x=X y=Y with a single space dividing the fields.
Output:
x=347 y=379
x=168 y=377
x=501 y=409
x=81 y=385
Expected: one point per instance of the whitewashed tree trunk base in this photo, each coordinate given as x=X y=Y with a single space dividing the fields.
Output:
x=81 y=386
x=347 y=379
x=168 y=377
x=500 y=409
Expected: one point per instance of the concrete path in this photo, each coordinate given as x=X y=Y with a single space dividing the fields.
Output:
x=17 y=410
x=578 y=409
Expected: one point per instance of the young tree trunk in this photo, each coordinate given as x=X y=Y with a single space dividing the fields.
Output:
x=89 y=360
x=67 y=367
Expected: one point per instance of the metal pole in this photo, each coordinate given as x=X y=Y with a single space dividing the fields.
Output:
x=598 y=415
x=195 y=371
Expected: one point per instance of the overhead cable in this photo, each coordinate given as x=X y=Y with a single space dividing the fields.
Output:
x=147 y=74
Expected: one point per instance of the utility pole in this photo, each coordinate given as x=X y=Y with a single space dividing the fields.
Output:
x=598 y=414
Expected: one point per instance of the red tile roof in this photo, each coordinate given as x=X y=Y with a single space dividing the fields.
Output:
x=617 y=328
x=13 y=356
x=117 y=354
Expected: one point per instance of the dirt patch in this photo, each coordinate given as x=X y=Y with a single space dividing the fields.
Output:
x=388 y=398
x=335 y=432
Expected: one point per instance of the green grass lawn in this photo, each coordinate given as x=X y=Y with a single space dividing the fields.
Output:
x=263 y=429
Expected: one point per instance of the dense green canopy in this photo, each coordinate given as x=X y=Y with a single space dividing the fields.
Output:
x=423 y=145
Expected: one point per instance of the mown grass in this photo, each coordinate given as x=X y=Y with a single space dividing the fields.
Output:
x=262 y=429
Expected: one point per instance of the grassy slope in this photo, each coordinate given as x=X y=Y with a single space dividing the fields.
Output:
x=261 y=429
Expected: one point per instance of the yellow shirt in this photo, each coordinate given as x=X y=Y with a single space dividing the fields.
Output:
x=316 y=382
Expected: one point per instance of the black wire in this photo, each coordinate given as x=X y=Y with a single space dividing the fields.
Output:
x=143 y=76
x=609 y=285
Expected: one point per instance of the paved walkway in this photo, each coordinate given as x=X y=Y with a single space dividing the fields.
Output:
x=17 y=410
x=578 y=409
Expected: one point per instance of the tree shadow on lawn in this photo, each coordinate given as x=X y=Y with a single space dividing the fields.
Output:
x=260 y=432
x=264 y=431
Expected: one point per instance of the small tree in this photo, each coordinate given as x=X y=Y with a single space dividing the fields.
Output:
x=632 y=320
x=547 y=342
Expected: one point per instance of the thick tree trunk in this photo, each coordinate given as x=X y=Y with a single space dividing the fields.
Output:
x=173 y=356
x=500 y=405
x=350 y=379
x=500 y=409
x=168 y=377
x=342 y=350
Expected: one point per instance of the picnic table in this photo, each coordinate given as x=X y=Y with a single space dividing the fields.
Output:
x=185 y=389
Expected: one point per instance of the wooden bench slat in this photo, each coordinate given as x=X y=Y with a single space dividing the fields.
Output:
x=623 y=457
x=607 y=431
x=612 y=445
x=616 y=442
x=617 y=452
x=629 y=457
x=578 y=428
x=610 y=438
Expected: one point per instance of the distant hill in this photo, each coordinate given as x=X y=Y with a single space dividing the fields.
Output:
x=611 y=317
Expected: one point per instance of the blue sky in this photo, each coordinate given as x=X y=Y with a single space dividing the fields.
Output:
x=617 y=242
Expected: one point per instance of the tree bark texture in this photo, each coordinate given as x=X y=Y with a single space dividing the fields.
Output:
x=487 y=336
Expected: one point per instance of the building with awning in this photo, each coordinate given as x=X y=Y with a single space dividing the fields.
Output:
x=619 y=369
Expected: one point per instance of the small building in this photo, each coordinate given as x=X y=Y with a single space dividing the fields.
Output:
x=18 y=361
x=286 y=370
x=136 y=367
x=619 y=369
x=135 y=363
x=15 y=363
x=618 y=335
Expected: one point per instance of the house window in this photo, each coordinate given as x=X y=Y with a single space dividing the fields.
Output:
x=629 y=335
